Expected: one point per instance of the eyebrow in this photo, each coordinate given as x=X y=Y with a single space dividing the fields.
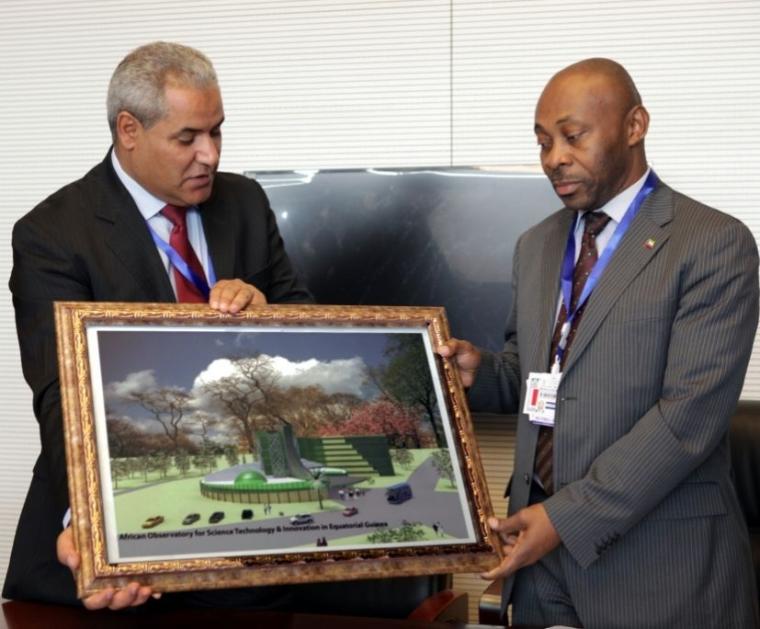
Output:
x=196 y=130
x=564 y=120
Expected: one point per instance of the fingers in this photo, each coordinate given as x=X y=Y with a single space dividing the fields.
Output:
x=505 y=569
x=232 y=296
x=526 y=537
x=130 y=596
x=99 y=600
x=510 y=534
x=506 y=527
x=454 y=346
x=127 y=596
x=465 y=355
x=65 y=549
x=144 y=594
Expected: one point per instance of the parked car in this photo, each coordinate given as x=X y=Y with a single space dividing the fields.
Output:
x=215 y=517
x=349 y=511
x=247 y=514
x=191 y=518
x=301 y=518
x=153 y=521
x=396 y=494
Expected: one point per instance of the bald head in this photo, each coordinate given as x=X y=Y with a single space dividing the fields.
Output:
x=590 y=125
x=608 y=73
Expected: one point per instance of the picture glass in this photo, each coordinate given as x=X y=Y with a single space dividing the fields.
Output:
x=255 y=440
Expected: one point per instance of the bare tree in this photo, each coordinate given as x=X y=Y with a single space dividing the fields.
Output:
x=168 y=407
x=250 y=397
x=310 y=409
x=201 y=423
x=124 y=439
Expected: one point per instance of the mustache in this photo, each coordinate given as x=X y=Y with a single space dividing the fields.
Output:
x=557 y=178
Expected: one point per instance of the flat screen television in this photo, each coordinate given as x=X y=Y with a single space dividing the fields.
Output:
x=411 y=236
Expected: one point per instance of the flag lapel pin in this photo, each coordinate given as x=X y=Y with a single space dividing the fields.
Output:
x=649 y=243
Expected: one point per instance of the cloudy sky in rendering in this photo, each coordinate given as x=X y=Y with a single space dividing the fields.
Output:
x=140 y=359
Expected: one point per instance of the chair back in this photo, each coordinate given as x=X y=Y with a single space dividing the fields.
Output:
x=745 y=463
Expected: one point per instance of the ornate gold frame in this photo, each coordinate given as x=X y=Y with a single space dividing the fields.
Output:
x=95 y=573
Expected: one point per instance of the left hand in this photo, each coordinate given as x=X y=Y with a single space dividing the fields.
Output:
x=527 y=536
x=232 y=296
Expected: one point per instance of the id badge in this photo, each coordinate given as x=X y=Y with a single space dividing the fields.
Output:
x=541 y=397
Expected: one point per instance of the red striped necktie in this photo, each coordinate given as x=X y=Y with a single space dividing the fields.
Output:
x=187 y=291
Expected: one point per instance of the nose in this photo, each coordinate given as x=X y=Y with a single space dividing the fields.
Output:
x=208 y=151
x=555 y=156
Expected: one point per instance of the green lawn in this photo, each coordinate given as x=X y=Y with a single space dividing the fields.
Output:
x=402 y=472
x=444 y=484
x=139 y=479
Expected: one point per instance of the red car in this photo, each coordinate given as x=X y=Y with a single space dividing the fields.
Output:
x=349 y=511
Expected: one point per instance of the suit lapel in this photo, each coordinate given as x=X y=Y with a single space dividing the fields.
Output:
x=649 y=230
x=127 y=236
x=219 y=236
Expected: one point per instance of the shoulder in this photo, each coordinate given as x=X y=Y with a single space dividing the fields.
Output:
x=241 y=199
x=556 y=223
x=231 y=185
x=558 y=218
x=69 y=205
x=693 y=220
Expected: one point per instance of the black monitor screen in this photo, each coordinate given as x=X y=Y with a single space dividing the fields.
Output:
x=425 y=236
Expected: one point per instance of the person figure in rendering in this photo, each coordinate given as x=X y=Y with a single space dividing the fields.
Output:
x=635 y=309
x=153 y=222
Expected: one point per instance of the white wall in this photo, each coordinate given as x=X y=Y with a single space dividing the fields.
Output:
x=332 y=83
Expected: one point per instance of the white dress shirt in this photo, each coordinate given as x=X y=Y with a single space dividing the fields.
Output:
x=150 y=207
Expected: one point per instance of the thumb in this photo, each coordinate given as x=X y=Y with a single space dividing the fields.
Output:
x=259 y=298
x=505 y=526
x=65 y=549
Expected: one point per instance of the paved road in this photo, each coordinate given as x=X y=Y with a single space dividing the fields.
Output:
x=427 y=507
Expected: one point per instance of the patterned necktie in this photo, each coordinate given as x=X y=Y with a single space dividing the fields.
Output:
x=595 y=222
x=187 y=291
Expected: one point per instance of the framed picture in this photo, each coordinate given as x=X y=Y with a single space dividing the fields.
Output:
x=285 y=444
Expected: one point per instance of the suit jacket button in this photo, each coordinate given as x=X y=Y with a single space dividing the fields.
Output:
x=526 y=478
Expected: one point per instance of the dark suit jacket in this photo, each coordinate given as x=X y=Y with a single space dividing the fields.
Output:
x=652 y=533
x=88 y=242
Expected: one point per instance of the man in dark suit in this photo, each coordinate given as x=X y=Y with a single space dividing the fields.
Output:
x=114 y=235
x=633 y=321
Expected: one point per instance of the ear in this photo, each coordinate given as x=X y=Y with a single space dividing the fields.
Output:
x=128 y=130
x=638 y=124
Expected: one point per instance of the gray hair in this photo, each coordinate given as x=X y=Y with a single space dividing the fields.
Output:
x=138 y=83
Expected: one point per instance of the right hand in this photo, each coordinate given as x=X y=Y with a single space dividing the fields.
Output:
x=130 y=596
x=465 y=355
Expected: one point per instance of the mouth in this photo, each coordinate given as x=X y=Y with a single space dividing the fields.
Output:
x=566 y=188
x=200 y=181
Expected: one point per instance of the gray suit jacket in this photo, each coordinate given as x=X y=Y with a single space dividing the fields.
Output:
x=652 y=533
x=89 y=242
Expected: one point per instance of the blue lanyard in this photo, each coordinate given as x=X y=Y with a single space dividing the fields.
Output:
x=179 y=263
x=568 y=264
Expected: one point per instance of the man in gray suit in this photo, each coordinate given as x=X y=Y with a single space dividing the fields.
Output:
x=625 y=361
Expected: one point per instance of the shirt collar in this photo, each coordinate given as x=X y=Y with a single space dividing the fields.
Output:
x=616 y=207
x=148 y=205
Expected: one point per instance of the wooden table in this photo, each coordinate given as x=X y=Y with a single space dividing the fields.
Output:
x=26 y=615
